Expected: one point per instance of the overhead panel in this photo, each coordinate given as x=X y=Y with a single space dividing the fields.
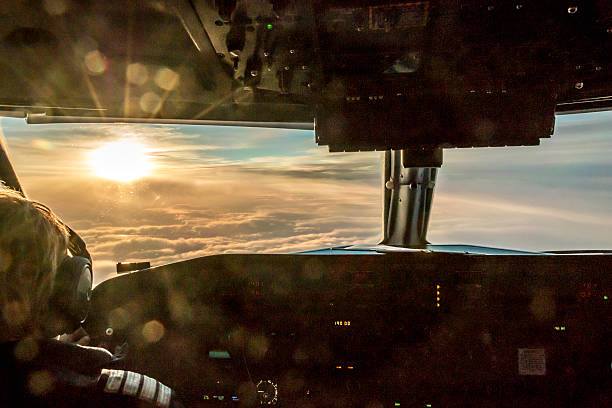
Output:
x=371 y=75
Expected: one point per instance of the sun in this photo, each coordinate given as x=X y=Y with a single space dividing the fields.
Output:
x=122 y=161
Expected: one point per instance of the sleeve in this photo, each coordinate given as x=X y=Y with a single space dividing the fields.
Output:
x=137 y=389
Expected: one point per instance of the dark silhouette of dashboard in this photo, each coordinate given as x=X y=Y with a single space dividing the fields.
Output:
x=407 y=329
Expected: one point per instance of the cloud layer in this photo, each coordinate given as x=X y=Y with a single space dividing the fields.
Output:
x=554 y=196
x=219 y=189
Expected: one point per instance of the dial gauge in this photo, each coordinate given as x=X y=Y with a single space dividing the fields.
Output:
x=267 y=392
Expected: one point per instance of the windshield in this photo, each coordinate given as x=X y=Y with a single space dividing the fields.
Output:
x=166 y=193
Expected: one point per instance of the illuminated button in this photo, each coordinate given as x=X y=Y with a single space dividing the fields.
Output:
x=338 y=367
x=350 y=367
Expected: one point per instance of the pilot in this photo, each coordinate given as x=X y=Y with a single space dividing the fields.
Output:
x=61 y=371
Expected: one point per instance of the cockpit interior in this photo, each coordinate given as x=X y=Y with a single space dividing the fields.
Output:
x=400 y=323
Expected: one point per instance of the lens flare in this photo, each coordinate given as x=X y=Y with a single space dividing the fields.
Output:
x=153 y=331
x=55 y=7
x=95 y=62
x=137 y=74
x=166 y=79
x=149 y=102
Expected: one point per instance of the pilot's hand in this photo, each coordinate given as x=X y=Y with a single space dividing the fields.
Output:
x=79 y=336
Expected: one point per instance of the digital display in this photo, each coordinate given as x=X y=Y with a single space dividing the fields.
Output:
x=219 y=354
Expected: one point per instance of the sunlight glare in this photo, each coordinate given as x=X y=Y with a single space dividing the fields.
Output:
x=121 y=161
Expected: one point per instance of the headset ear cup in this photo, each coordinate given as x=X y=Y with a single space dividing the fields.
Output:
x=83 y=291
x=69 y=303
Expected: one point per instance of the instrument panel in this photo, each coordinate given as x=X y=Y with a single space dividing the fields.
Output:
x=404 y=329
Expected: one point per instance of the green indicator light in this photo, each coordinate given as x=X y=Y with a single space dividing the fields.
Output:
x=605 y=297
x=397 y=404
x=269 y=26
x=428 y=405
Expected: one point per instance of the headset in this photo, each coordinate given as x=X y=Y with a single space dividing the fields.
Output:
x=69 y=302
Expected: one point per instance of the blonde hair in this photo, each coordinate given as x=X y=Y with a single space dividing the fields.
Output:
x=33 y=243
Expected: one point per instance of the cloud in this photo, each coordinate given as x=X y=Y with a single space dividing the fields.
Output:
x=228 y=190
x=553 y=196
x=206 y=201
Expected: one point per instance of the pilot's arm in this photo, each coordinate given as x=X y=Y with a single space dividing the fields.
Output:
x=53 y=373
x=129 y=387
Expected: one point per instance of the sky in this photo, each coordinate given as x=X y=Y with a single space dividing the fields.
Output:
x=201 y=190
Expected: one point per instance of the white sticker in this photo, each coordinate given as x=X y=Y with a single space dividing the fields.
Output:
x=114 y=380
x=132 y=382
x=532 y=361
x=163 y=396
x=148 y=389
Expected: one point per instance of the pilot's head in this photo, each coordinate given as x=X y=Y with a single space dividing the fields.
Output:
x=33 y=243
